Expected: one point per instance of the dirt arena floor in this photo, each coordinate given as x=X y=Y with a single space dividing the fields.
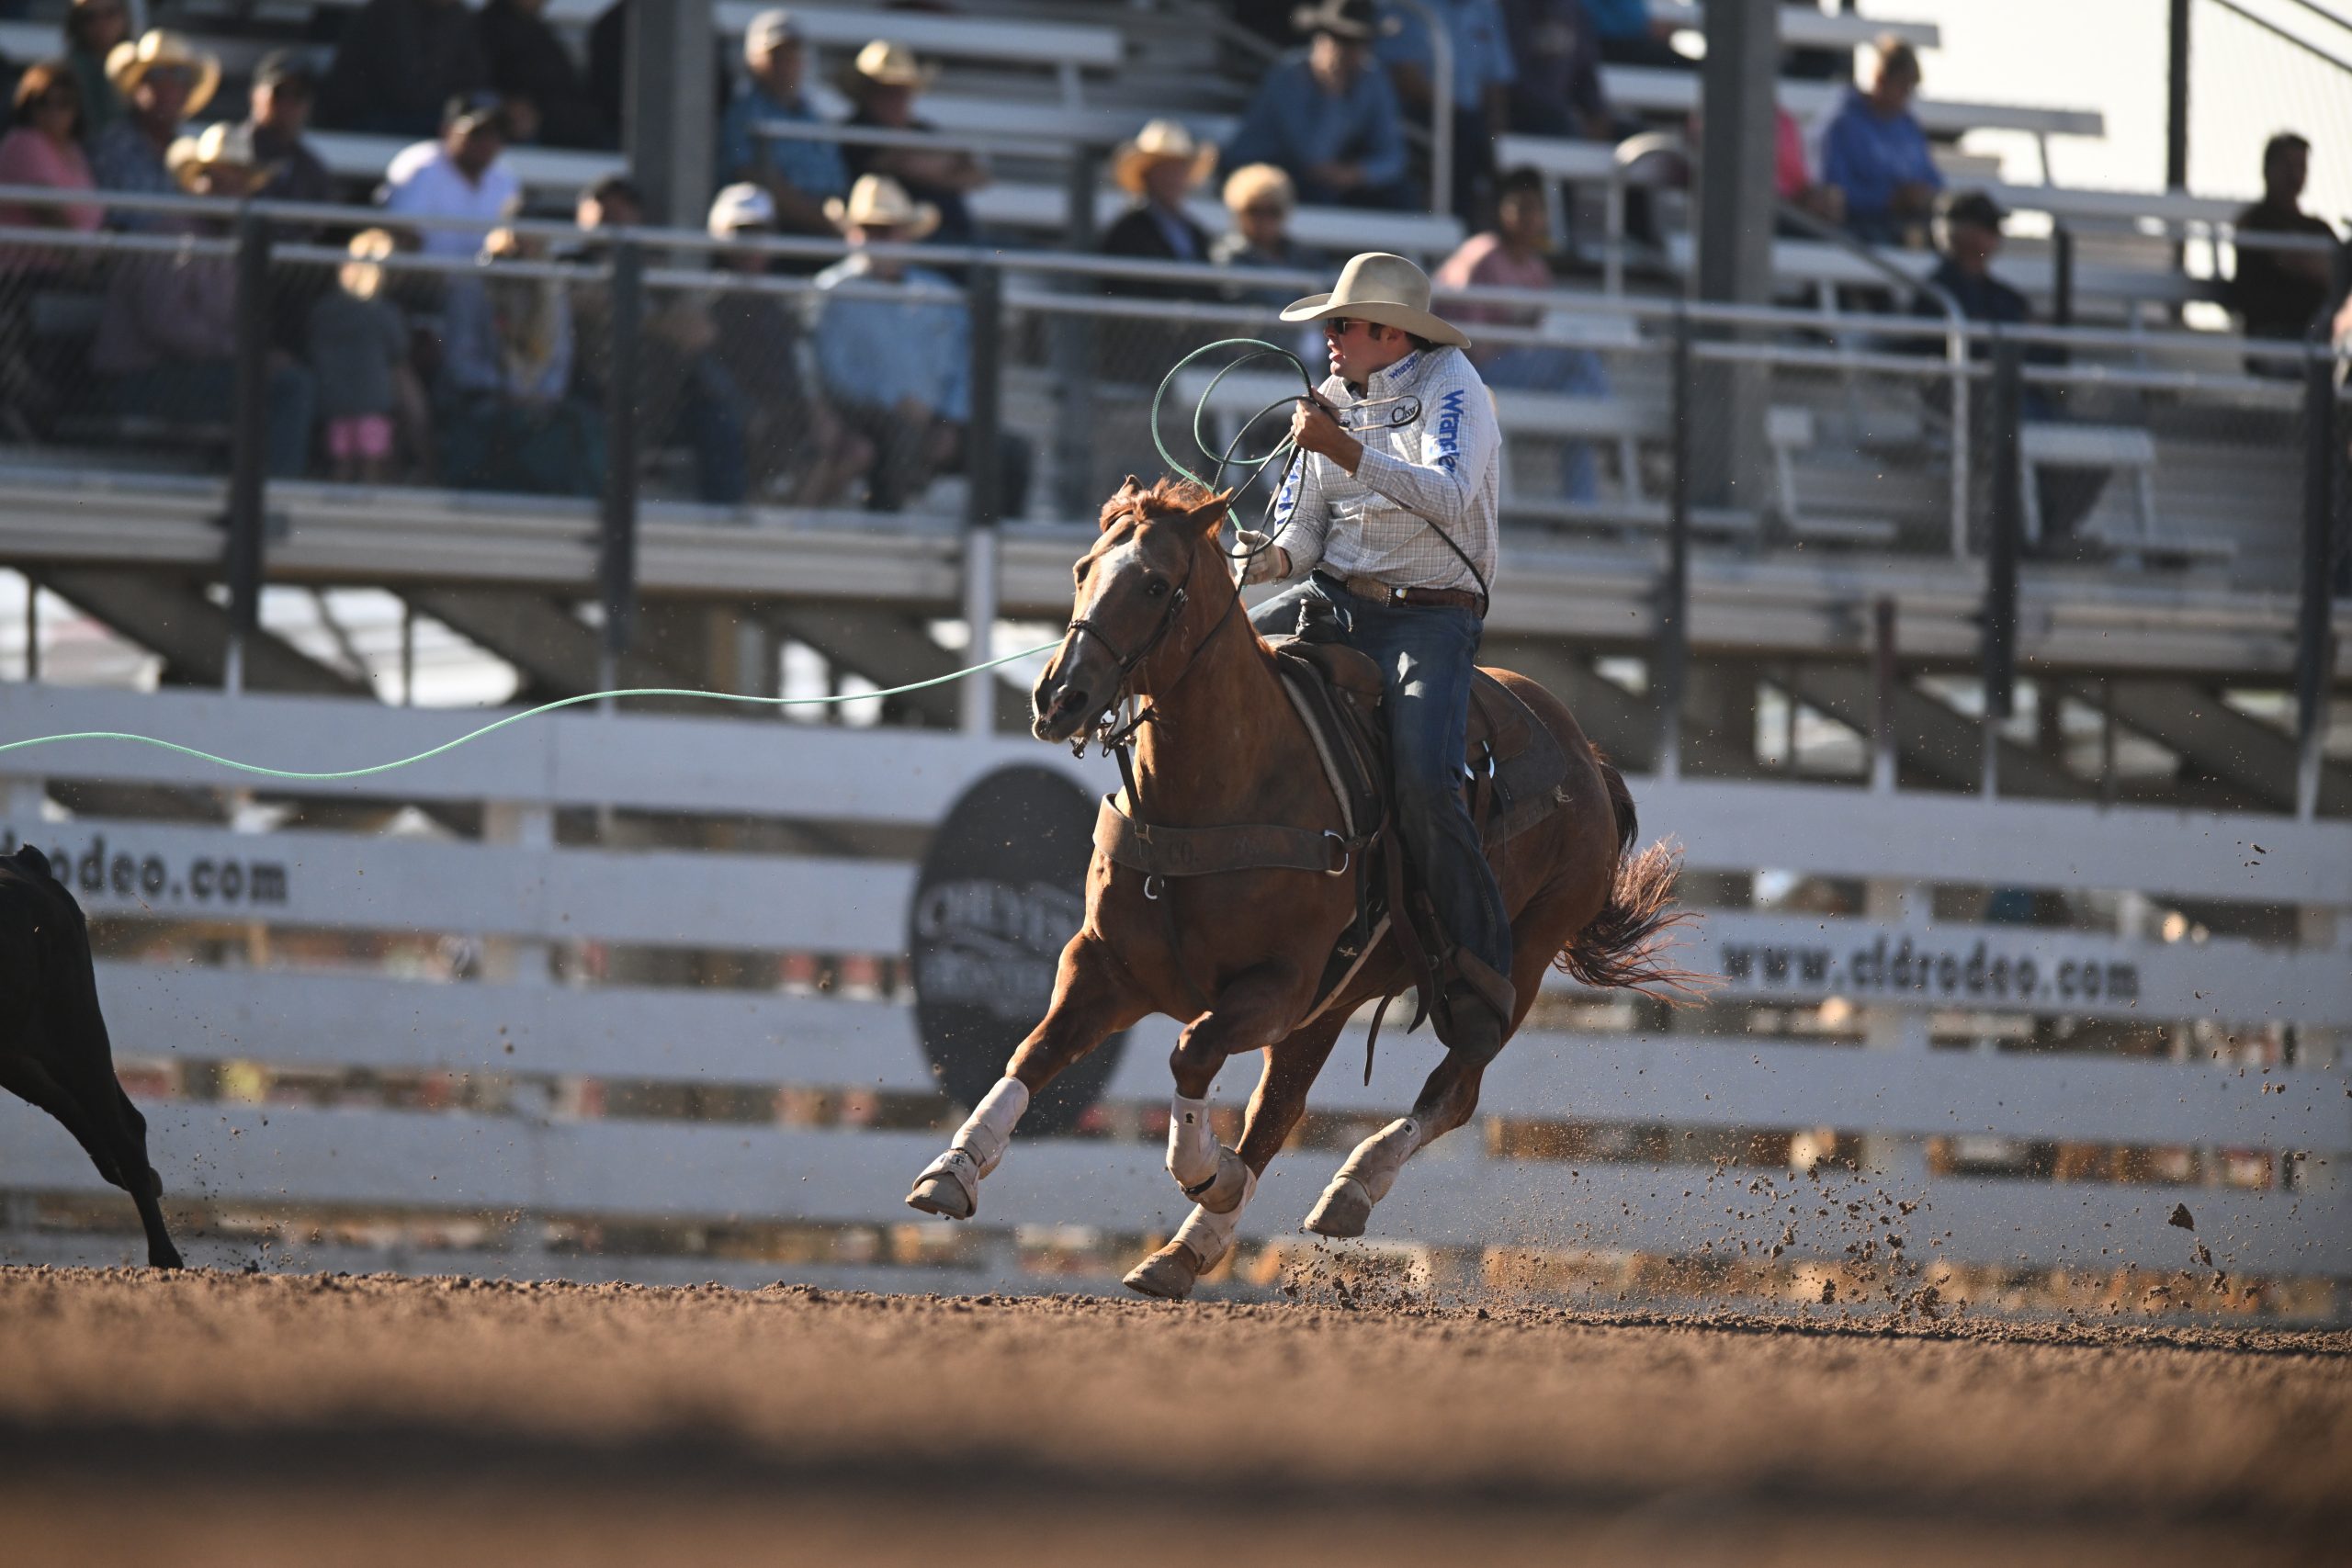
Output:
x=213 y=1418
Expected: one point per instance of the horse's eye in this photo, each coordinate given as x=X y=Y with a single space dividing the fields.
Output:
x=1156 y=586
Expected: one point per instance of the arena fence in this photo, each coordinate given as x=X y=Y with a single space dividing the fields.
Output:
x=581 y=1093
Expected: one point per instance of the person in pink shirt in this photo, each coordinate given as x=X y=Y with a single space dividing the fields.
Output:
x=1792 y=179
x=43 y=147
x=1511 y=255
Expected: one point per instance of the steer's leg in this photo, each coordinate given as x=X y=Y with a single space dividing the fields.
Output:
x=1092 y=1002
x=1275 y=1109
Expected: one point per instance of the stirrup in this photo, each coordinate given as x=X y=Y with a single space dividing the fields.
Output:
x=1473 y=998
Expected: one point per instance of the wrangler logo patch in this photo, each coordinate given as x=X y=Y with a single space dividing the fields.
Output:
x=1449 y=429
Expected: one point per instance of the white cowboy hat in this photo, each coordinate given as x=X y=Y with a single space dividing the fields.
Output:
x=877 y=199
x=886 y=64
x=740 y=207
x=767 y=31
x=1377 y=287
x=1162 y=142
x=129 y=62
x=217 y=145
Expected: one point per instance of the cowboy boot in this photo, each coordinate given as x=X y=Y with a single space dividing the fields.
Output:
x=1478 y=1007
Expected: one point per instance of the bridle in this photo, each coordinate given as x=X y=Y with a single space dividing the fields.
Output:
x=1106 y=727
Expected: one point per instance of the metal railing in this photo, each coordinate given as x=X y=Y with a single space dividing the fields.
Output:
x=1045 y=318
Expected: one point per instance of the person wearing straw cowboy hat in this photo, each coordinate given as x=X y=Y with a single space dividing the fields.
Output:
x=1390 y=513
x=167 y=335
x=164 y=79
x=894 y=355
x=1159 y=168
x=883 y=81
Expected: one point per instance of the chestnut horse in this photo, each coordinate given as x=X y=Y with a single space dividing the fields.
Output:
x=1238 y=955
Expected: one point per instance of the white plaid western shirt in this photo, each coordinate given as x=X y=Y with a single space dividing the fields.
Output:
x=1432 y=458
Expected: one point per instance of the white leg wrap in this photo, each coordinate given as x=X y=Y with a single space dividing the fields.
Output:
x=989 y=1129
x=1211 y=1236
x=1191 y=1148
x=1379 y=1158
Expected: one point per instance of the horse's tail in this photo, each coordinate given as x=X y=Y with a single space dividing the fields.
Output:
x=1625 y=945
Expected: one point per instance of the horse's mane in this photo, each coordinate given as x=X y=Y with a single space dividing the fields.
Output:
x=1163 y=498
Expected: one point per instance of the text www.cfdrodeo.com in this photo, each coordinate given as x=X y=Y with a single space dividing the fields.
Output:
x=99 y=867
x=1885 y=968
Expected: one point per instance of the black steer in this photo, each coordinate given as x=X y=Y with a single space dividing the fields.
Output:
x=54 y=1046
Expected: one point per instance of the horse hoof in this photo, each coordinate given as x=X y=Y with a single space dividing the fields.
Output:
x=1343 y=1210
x=1229 y=1189
x=943 y=1196
x=949 y=1187
x=1167 y=1275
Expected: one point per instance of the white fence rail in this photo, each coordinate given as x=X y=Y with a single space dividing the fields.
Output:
x=532 y=891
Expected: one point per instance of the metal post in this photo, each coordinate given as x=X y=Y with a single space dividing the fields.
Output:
x=408 y=655
x=32 y=627
x=2314 y=658
x=249 y=444
x=1674 y=593
x=1070 y=338
x=2000 y=633
x=1440 y=106
x=617 y=566
x=2177 y=99
x=1882 y=684
x=984 y=302
x=2062 y=285
x=1737 y=210
x=671 y=152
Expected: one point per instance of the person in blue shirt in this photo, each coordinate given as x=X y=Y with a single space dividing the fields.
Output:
x=1875 y=152
x=800 y=176
x=894 y=355
x=1327 y=119
x=1483 y=73
x=1631 y=35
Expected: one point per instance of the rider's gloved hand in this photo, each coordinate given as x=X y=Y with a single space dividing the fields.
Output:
x=1263 y=560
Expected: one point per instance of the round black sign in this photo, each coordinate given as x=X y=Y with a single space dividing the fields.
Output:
x=1001 y=894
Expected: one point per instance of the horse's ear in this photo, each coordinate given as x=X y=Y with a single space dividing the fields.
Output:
x=1210 y=515
x=1122 y=502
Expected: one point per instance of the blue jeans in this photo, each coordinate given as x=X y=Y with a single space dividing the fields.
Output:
x=1538 y=368
x=1425 y=655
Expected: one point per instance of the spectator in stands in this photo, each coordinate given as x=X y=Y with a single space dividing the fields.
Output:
x=883 y=81
x=1877 y=154
x=43 y=147
x=897 y=369
x=1972 y=226
x=612 y=202
x=165 y=80
x=358 y=351
x=1555 y=54
x=1511 y=255
x=527 y=63
x=506 y=419
x=2280 y=292
x=1483 y=74
x=1793 y=180
x=167 y=337
x=1326 y=119
x=1259 y=198
x=284 y=89
x=800 y=176
x=797 y=449
x=1630 y=36
x=1158 y=168
x=92 y=29
x=398 y=62
x=459 y=177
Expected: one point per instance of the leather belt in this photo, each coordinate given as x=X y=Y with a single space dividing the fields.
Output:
x=1381 y=593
